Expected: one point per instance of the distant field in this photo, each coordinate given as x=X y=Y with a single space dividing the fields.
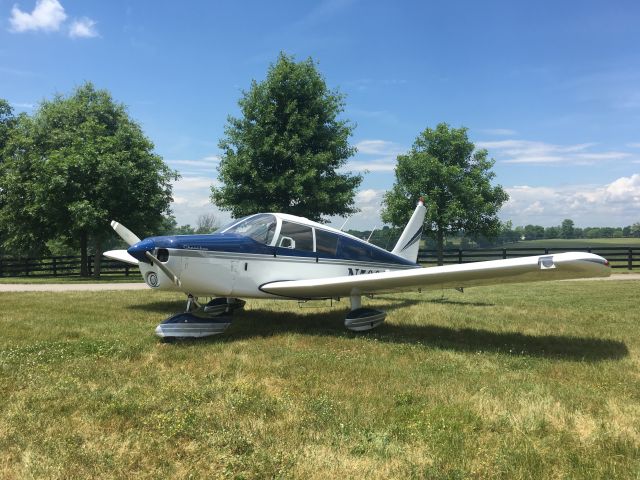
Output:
x=582 y=243
x=534 y=381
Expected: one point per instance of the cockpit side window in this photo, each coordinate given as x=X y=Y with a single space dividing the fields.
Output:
x=326 y=243
x=296 y=236
x=259 y=227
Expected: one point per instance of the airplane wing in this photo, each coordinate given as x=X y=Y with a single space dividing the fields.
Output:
x=559 y=266
x=121 y=256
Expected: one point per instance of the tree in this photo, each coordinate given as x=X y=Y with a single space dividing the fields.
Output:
x=552 y=232
x=567 y=229
x=207 y=223
x=82 y=162
x=283 y=153
x=7 y=124
x=455 y=181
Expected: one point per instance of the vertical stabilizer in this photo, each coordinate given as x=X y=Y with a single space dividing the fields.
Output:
x=409 y=242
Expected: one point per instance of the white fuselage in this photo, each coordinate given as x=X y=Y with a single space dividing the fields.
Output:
x=225 y=274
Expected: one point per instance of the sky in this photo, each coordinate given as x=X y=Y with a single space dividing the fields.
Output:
x=551 y=89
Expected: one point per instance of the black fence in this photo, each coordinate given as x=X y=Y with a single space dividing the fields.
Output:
x=61 y=266
x=69 y=266
x=619 y=257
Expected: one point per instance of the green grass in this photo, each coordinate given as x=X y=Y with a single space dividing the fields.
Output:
x=532 y=381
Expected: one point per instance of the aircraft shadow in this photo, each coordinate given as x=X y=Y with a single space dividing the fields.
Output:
x=256 y=323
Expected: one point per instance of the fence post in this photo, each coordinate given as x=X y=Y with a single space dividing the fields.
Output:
x=126 y=270
x=546 y=251
x=89 y=258
x=55 y=267
x=459 y=255
x=630 y=260
x=504 y=253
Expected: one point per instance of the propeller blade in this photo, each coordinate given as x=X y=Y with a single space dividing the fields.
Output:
x=167 y=271
x=124 y=233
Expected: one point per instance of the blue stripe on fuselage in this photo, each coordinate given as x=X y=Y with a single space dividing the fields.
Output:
x=347 y=248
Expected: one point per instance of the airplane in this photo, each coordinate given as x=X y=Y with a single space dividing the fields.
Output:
x=281 y=256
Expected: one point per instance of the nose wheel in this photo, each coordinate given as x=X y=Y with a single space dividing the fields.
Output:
x=212 y=318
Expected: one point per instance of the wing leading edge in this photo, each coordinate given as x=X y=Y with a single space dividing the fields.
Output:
x=560 y=266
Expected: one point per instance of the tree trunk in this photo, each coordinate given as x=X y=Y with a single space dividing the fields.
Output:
x=440 y=242
x=97 y=259
x=84 y=267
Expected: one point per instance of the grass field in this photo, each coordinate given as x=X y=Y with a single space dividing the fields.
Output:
x=578 y=243
x=533 y=381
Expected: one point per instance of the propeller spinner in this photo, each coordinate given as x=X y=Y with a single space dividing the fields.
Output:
x=132 y=239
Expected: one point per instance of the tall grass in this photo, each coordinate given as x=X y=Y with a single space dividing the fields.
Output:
x=532 y=381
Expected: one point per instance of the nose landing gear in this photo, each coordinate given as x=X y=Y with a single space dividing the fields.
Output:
x=198 y=320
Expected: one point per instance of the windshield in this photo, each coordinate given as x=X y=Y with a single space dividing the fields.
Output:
x=230 y=224
x=259 y=227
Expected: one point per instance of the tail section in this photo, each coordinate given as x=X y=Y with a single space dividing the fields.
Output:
x=409 y=242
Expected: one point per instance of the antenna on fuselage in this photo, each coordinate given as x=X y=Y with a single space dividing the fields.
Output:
x=371 y=234
x=345 y=222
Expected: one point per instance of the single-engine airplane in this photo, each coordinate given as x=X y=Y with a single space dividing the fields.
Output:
x=280 y=256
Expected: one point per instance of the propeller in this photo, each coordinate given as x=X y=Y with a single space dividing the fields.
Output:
x=131 y=239
x=124 y=233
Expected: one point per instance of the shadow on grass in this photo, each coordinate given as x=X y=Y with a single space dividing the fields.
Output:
x=262 y=323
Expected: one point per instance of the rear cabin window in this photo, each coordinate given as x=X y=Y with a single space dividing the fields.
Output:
x=296 y=236
x=326 y=243
x=354 y=250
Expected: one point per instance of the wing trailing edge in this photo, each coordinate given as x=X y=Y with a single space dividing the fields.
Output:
x=560 y=266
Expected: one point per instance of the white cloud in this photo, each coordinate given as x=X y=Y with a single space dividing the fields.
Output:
x=633 y=145
x=383 y=165
x=613 y=204
x=191 y=199
x=379 y=147
x=530 y=152
x=369 y=201
x=386 y=152
x=83 y=28
x=47 y=15
x=207 y=163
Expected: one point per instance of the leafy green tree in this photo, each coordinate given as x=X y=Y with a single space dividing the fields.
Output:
x=552 y=232
x=7 y=124
x=82 y=161
x=567 y=229
x=455 y=181
x=284 y=151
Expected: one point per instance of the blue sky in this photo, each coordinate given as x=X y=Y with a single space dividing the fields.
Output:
x=551 y=89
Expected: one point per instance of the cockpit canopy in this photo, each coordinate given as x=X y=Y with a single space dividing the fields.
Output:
x=261 y=227
x=298 y=238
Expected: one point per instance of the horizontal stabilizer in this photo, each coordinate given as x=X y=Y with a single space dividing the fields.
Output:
x=121 y=256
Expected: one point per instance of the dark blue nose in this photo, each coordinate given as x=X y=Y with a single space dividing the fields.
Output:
x=137 y=250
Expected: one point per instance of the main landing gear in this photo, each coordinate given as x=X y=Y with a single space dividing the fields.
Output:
x=200 y=320
x=361 y=319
